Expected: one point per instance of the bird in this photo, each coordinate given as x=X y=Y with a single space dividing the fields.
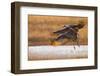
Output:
x=70 y=32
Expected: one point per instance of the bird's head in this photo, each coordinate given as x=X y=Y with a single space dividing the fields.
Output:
x=81 y=25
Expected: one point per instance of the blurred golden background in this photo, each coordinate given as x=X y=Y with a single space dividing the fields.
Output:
x=41 y=28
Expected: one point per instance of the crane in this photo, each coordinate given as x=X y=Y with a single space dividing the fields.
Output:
x=70 y=32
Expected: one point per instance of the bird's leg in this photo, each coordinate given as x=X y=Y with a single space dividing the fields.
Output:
x=73 y=44
x=78 y=40
x=74 y=47
x=78 y=43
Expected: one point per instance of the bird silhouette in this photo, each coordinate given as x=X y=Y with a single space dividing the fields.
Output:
x=70 y=32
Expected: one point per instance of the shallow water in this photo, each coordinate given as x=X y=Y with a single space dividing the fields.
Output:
x=57 y=52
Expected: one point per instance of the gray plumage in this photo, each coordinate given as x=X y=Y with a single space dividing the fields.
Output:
x=69 y=32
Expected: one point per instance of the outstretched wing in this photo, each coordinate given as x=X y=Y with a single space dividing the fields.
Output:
x=65 y=29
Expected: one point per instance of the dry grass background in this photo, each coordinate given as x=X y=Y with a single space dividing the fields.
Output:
x=41 y=28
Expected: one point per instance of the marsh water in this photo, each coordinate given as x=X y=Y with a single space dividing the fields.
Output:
x=57 y=52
